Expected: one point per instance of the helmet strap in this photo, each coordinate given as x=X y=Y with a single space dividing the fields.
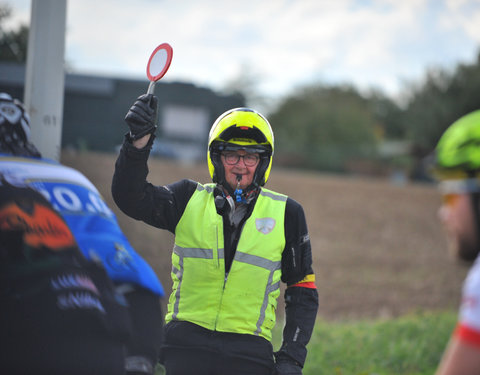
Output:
x=259 y=176
x=219 y=171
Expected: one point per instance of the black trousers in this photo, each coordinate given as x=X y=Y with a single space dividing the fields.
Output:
x=191 y=349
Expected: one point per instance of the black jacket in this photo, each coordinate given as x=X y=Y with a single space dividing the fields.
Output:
x=163 y=206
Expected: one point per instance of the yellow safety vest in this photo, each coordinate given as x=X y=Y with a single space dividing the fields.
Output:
x=245 y=300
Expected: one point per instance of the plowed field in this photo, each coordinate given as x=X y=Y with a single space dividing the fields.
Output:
x=378 y=249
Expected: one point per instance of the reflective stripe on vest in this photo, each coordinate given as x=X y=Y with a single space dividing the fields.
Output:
x=246 y=299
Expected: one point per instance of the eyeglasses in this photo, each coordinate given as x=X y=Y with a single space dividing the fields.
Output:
x=232 y=158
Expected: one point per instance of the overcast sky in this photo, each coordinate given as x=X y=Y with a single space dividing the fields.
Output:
x=284 y=43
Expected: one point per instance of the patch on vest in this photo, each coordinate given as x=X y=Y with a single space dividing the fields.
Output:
x=265 y=225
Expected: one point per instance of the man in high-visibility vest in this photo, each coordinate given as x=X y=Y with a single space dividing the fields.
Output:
x=235 y=241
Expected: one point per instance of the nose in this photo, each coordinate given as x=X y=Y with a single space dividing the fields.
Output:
x=242 y=160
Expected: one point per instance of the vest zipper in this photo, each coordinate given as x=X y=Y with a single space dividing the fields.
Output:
x=221 y=300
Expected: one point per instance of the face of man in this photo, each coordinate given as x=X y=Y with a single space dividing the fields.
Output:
x=456 y=215
x=239 y=167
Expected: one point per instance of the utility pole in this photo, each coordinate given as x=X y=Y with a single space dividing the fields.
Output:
x=45 y=75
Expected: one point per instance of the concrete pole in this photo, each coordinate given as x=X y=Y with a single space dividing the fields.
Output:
x=45 y=75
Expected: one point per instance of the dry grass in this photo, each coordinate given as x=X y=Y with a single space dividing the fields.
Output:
x=378 y=249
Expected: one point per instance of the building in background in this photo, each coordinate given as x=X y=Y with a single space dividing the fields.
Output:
x=95 y=106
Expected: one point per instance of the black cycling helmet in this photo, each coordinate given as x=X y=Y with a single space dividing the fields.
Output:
x=15 y=128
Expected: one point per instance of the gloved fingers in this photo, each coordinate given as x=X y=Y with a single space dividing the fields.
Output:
x=140 y=113
x=137 y=116
x=149 y=99
x=141 y=117
x=133 y=120
x=144 y=107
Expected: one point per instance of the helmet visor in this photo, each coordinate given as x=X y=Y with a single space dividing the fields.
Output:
x=220 y=146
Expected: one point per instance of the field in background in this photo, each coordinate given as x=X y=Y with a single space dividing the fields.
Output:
x=378 y=249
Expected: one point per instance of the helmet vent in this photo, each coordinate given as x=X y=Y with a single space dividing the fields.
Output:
x=243 y=132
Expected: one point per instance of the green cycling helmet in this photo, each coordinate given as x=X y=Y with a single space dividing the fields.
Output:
x=458 y=150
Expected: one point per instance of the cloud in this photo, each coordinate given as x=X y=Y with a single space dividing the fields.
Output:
x=285 y=43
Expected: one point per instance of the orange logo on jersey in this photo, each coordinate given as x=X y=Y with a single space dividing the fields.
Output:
x=41 y=227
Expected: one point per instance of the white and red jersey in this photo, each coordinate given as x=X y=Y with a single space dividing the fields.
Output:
x=468 y=327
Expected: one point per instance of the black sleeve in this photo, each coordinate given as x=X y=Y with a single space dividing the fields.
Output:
x=301 y=303
x=297 y=256
x=160 y=206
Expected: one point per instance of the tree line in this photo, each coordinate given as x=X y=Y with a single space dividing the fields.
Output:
x=332 y=127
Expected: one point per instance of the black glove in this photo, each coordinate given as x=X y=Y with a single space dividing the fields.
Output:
x=286 y=367
x=142 y=116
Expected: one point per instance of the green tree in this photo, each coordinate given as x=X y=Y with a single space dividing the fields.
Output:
x=13 y=43
x=389 y=116
x=442 y=98
x=323 y=128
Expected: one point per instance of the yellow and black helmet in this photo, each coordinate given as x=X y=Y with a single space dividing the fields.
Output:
x=240 y=129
